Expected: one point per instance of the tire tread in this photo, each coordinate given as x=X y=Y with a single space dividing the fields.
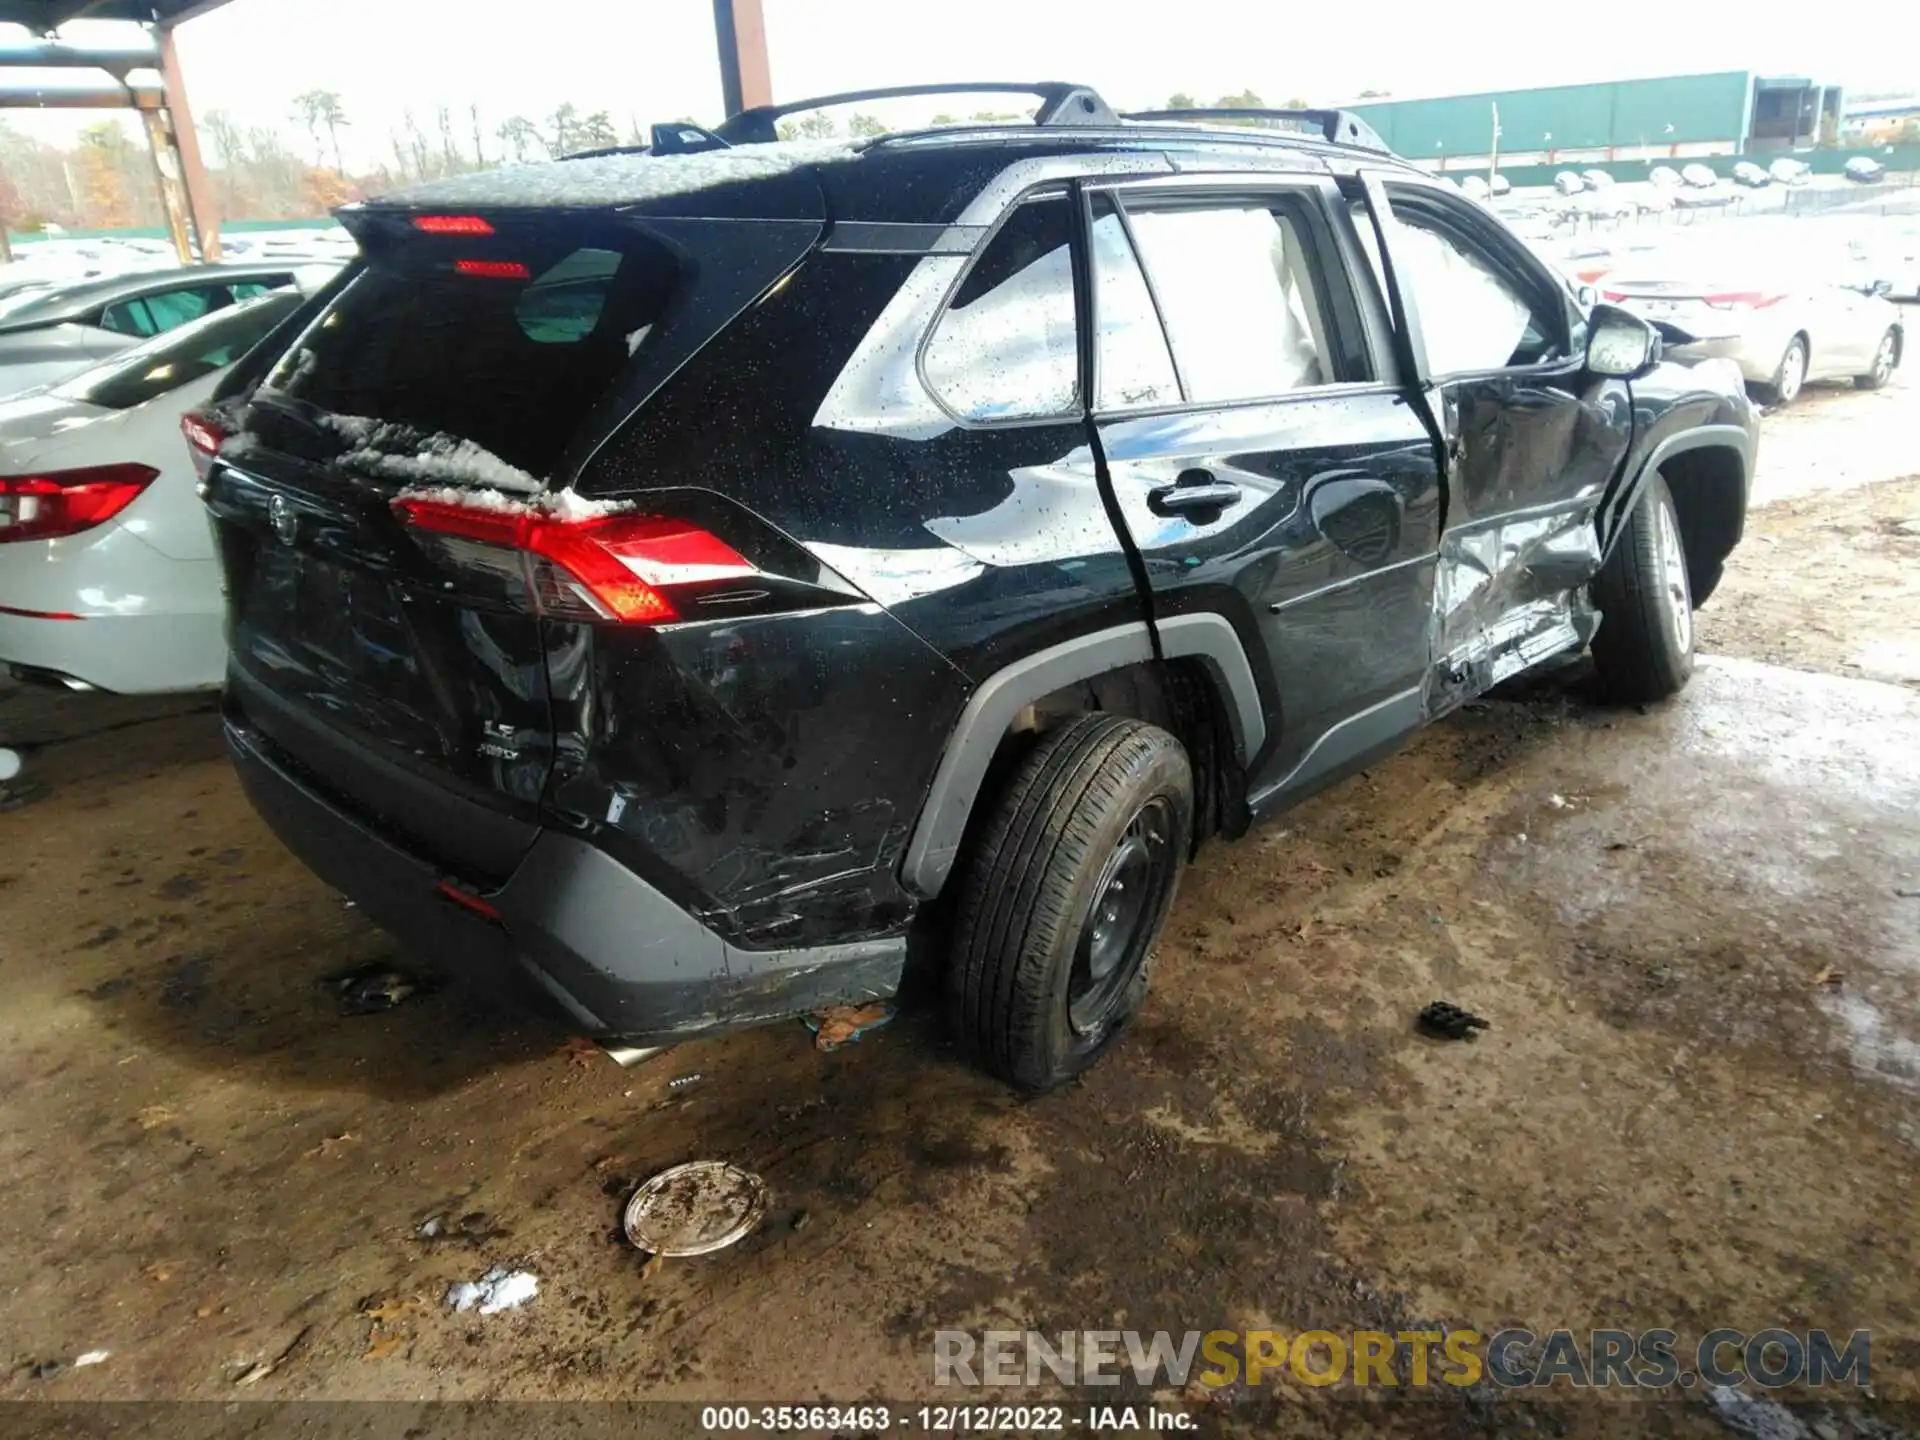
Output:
x=1019 y=881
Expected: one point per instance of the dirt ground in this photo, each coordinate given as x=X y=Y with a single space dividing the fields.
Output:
x=1694 y=930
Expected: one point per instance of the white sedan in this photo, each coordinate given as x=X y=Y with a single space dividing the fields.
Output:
x=1786 y=319
x=108 y=578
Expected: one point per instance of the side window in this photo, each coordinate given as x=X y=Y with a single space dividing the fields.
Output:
x=563 y=305
x=1005 y=348
x=1243 y=296
x=1135 y=367
x=173 y=308
x=1475 y=313
x=247 y=289
x=128 y=317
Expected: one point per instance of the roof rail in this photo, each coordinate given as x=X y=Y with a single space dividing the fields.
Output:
x=595 y=154
x=1336 y=127
x=1060 y=104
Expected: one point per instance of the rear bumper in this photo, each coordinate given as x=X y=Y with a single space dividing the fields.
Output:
x=125 y=654
x=1758 y=356
x=579 y=936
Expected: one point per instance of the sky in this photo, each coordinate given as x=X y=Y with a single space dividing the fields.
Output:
x=654 y=59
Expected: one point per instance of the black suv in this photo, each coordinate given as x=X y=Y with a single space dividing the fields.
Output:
x=665 y=576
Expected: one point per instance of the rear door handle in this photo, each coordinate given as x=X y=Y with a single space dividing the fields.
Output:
x=1193 y=492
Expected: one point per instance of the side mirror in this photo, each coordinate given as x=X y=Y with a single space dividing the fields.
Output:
x=1620 y=344
x=1882 y=288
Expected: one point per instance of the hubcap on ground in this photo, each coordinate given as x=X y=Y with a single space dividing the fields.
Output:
x=1793 y=371
x=1127 y=897
x=1673 y=578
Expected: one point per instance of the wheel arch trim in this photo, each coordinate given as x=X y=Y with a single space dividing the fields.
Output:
x=1736 y=438
x=993 y=706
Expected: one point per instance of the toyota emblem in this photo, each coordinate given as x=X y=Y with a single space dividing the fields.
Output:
x=285 y=521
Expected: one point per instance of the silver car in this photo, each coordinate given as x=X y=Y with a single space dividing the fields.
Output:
x=1787 y=315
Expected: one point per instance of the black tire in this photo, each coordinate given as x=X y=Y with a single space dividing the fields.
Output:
x=1789 y=376
x=1643 y=650
x=1021 y=989
x=1883 y=362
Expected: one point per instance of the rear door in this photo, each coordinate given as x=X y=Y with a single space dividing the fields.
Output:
x=403 y=668
x=1533 y=440
x=1265 y=465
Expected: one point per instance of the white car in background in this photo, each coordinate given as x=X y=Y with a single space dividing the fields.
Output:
x=108 y=578
x=1786 y=313
x=48 y=333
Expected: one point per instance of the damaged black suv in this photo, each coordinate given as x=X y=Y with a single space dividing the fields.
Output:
x=679 y=578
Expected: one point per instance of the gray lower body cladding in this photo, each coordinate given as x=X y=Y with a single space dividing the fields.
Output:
x=579 y=936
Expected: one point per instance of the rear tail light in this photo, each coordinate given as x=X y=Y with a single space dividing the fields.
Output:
x=467 y=900
x=204 y=437
x=1743 y=300
x=604 y=567
x=1613 y=297
x=65 y=502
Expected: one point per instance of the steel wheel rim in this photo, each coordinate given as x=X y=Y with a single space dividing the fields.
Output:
x=1673 y=578
x=1793 y=371
x=1127 y=899
x=1883 y=360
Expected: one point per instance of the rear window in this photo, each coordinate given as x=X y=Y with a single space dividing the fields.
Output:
x=510 y=357
x=145 y=372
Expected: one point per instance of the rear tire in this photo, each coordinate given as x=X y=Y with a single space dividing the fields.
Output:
x=1789 y=376
x=1643 y=650
x=1883 y=363
x=1063 y=896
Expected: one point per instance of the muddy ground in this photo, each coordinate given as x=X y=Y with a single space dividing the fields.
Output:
x=1694 y=931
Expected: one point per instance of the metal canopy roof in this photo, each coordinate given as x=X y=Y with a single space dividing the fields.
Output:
x=44 y=15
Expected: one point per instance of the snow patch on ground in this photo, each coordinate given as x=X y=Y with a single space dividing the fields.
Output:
x=494 y=1291
x=623 y=179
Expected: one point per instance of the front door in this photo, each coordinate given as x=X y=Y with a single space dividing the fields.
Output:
x=1532 y=438
x=1263 y=465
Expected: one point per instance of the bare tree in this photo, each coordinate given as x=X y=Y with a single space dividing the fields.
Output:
x=448 y=150
x=520 y=136
x=318 y=110
x=816 y=126
x=417 y=146
x=479 y=151
x=596 y=132
x=564 y=129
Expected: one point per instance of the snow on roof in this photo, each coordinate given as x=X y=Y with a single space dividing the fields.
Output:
x=622 y=179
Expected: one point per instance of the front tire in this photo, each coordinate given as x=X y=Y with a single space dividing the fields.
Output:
x=1883 y=363
x=1063 y=896
x=1789 y=376
x=1643 y=650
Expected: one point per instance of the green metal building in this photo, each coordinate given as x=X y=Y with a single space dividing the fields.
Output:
x=1732 y=112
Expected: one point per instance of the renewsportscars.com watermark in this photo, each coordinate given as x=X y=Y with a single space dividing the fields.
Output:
x=1510 y=1359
